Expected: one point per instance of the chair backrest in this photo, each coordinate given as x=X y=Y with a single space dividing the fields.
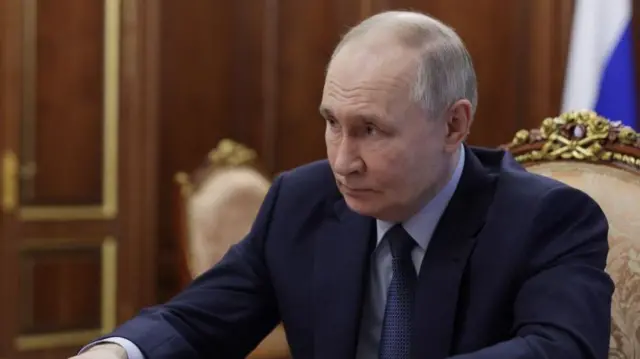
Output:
x=601 y=158
x=218 y=203
x=217 y=206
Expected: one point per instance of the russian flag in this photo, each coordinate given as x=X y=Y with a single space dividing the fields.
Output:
x=600 y=71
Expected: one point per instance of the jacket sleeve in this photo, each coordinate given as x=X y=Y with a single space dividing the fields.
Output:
x=563 y=308
x=224 y=313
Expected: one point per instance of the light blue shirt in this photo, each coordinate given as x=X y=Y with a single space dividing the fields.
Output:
x=421 y=227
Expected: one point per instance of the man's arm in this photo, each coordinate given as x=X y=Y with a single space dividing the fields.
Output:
x=563 y=309
x=224 y=313
x=116 y=347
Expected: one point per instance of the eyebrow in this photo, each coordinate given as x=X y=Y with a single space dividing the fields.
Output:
x=325 y=112
x=371 y=117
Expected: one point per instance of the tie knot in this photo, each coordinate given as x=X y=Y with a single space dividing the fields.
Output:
x=401 y=242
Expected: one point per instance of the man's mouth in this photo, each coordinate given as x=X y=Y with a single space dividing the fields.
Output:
x=354 y=189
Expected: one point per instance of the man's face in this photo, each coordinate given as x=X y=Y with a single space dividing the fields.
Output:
x=387 y=156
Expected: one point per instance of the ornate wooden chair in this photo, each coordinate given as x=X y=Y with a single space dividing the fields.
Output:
x=217 y=206
x=602 y=158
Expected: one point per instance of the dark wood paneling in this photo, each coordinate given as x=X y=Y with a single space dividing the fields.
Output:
x=4 y=327
x=60 y=290
x=303 y=57
x=10 y=90
x=138 y=219
x=47 y=289
x=64 y=137
x=545 y=40
x=195 y=99
x=252 y=52
x=7 y=227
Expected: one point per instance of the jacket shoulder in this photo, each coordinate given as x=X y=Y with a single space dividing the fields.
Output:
x=308 y=185
x=514 y=180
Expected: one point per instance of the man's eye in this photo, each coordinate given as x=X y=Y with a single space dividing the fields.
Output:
x=371 y=130
x=333 y=125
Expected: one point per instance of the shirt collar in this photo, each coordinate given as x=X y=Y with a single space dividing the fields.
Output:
x=422 y=225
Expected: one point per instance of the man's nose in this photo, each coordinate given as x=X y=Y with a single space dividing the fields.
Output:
x=348 y=158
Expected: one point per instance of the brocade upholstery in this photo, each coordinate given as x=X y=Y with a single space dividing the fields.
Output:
x=221 y=213
x=617 y=191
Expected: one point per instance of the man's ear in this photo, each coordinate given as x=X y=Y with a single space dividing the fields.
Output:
x=458 y=124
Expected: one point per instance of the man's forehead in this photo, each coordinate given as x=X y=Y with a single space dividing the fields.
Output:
x=367 y=57
x=366 y=98
x=369 y=74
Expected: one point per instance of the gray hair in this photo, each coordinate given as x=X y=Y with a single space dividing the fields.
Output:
x=445 y=72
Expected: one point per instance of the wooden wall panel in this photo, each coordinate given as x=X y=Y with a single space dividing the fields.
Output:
x=139 y=142
x=63 y=82
x=308 y=33
x=60 y=289
x=10 y=77
x=66 y=292
x=253 y=69
x=545 y=44
x=63 y=102
x=195 y=100
x=77 y=98
x=67 y=154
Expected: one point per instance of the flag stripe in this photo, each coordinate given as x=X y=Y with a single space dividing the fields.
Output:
x=617 y=96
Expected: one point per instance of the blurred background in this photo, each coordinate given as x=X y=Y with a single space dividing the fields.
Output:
x=103 y=102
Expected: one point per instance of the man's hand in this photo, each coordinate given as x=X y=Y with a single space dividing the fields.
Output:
x=103 y=351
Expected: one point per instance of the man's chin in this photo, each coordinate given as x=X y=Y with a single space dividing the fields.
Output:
x=375 y=209
x=362 y=207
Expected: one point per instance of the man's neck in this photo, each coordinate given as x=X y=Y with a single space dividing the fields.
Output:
x=453 y=168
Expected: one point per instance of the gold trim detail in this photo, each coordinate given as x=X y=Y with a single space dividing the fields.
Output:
x=109 y=284
x=9 y=182
x=227 y=153
x=109 y=257
x=109 y=208
x=111 y=105
x=231 y=153
x=577 y=135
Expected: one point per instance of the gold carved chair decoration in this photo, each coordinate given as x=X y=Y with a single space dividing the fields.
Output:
x=601 y=158
x=217 y=205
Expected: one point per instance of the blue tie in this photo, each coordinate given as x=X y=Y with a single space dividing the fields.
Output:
x=395 y=341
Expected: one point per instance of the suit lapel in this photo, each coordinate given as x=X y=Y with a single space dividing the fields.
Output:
x=445 y=261
x=342 y=250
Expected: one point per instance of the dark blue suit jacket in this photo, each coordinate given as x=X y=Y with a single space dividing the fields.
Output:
x=515 y=270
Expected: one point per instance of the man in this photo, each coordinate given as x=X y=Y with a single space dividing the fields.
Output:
x=406 y=243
